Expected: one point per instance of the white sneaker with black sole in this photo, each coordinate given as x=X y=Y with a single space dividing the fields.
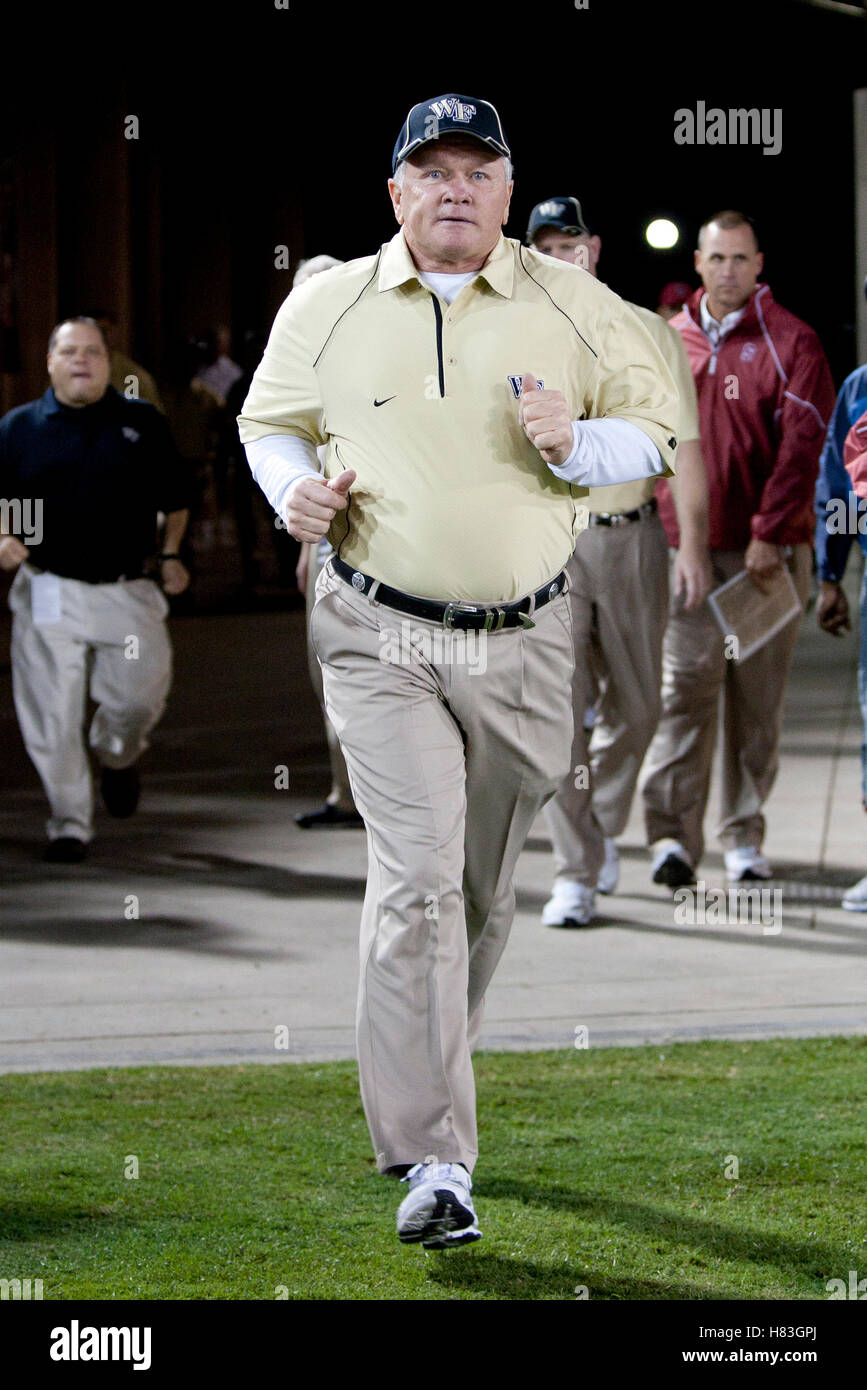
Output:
x=746 y=865
x=438 y=1210
x=671 y=866
x=570 y=905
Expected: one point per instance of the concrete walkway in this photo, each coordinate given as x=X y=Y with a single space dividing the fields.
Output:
x=211 y=929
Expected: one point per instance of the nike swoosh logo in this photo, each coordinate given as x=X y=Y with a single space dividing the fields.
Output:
x=385 y=402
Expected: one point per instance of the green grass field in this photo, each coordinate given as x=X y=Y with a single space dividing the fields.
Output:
x=609 y=1168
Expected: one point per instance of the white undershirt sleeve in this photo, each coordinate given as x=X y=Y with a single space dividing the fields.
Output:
x=609 y=451
x=605 y=451
x=277 y=462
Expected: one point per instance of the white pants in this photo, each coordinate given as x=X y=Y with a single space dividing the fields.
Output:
x=110 y=639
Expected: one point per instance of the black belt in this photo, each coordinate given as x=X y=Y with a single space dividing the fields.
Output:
x=620 y=518
x=466 y=616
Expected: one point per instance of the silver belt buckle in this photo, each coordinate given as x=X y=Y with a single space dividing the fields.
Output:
x=453 y=608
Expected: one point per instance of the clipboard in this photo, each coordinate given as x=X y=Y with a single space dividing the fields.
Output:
x=753 y=617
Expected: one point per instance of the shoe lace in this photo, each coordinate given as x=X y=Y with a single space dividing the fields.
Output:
x=423 y=1170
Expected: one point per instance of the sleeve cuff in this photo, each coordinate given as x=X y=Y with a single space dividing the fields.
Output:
x=609 y=451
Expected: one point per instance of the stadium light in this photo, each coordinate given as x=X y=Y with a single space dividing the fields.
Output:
x=662 y=234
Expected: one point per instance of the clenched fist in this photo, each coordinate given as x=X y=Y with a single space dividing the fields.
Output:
x=175 y=577
x=761 y=562
x=545 y=419
x=832 y=609
x=12 y=552
x=313 y=504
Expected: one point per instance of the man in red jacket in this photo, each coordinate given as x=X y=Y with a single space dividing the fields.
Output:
x=765 y=396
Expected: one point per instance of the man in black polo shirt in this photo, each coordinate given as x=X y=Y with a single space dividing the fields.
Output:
x=89 y=470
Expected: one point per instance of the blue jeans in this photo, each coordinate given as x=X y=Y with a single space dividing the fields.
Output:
x=862 y=687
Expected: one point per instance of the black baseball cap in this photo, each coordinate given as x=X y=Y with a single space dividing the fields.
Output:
x=562 y=213
x=450 y=115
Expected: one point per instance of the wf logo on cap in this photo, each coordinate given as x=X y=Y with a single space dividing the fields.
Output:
x=550 y=209
x=452 y=108
x=453 y=113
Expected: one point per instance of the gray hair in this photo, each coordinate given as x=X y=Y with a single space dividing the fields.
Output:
x=401 y=169
x=308 y=268
x=77 y=318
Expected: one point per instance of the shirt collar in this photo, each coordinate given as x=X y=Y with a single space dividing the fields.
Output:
x=397 y=266
x=52 y=406
x=716 y=330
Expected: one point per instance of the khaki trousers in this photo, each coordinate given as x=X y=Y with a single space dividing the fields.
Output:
x=451 y=752
x=340 y=794
x=696 y=674
x=619 y=598
x=90 y=647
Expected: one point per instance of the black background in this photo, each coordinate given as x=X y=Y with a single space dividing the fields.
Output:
x=299 y=108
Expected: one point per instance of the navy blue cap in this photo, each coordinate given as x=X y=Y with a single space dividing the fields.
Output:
x=562 y=213
x=449 y=115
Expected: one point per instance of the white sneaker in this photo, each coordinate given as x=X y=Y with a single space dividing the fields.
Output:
x=438 y=1210
x=570 y=905
x=745 y=864
x=609 y=874
x=855 y=899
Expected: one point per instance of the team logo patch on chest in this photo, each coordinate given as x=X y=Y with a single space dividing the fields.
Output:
x=517 y=385
x=129 y=433
x=748 y=352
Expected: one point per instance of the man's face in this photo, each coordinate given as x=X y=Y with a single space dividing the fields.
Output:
x=78 y=365
x=577 y=250
x=729 y=265
x=453 y=201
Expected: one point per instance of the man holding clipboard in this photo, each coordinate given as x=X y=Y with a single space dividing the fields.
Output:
x=765 y=395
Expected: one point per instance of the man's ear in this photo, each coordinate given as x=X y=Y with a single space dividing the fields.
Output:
x=394 y=192
x=508 y=202
x=760 y=257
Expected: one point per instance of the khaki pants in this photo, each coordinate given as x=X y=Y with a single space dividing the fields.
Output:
x=449 y=763
x=54 y=664
x=676 y=777
x=340 y=794
x=619 y=598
